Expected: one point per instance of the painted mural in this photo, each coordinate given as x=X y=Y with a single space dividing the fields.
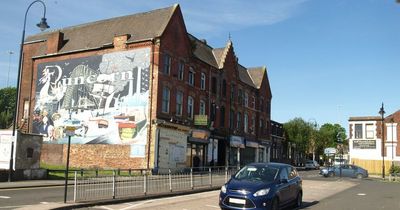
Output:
x=105 y=97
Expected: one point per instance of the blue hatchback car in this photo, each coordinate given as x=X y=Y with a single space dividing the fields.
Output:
x=262 y=186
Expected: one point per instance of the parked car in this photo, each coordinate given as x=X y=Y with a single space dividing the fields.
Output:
x=348 y=170
x=311 y=164
x=262 y=186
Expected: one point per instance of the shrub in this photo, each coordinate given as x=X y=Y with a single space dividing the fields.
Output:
x=394 y=169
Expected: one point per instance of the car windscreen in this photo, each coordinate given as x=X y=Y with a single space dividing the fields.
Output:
x=257 y=173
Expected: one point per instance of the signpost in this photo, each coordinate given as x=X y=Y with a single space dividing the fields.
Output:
x=69 y=131
x=330 y=151
x=7 y=152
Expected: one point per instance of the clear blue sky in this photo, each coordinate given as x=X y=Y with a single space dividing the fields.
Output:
x=327 y=60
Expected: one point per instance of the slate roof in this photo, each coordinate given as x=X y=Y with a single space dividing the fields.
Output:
x=257 y=75
x=245 y=77
x=203 y=51
x=141 y=26
x=218 y=53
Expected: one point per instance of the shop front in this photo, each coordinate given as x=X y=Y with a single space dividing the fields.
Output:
x=250 y=152
x=236 y=143
x=171 y=146
x=264 y=151
x=196 y=152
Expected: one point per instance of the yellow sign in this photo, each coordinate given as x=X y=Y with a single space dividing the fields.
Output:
x=201 y=119
x=200 y=134
x=70 y=130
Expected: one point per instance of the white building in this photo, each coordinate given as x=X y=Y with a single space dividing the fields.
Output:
x=365 y=142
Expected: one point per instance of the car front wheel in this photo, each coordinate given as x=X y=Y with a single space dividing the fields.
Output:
x=275 y=204
x=299 y=200
x=359 y=176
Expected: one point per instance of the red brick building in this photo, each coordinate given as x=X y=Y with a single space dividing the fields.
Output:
x=143 y=93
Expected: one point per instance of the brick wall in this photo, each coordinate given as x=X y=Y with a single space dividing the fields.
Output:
x=101 y=156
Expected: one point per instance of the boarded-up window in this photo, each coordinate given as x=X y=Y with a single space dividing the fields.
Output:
x=369 y=131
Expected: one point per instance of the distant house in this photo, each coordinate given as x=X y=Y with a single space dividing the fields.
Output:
x=365 y=142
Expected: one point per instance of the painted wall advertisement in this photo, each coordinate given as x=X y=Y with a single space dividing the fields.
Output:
x=104 y=96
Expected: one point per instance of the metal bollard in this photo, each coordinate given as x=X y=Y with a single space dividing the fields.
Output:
x=113 y=186
x=209 y=172
x=170 y=180
x=191 y=178
x=75 y=185
x=145 y=184
x=226 y=174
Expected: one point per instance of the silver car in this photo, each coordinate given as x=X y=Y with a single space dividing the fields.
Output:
x=311 y=164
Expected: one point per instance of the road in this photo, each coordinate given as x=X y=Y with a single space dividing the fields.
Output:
x=319 y=193
x=22 y=197
x=369 y=195
x=315 y=189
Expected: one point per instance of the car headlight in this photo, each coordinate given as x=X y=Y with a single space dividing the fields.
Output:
x=223 y=189
x=261 y=192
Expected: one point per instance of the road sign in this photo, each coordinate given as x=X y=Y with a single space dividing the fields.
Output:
x=330 y=151
x=70 y=130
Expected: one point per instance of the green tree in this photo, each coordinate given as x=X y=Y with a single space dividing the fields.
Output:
x=328 y=135
x=299 y=132
x=7 y=106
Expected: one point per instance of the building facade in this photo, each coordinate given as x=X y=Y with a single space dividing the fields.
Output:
x=143 y=93
x=365 y=142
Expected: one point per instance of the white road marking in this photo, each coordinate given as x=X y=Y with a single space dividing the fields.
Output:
x=135 y=205
x=104 y=207
x=44 y=202
x=217 y=207
x=5 y=197
x=361 y=194
x=13 y=207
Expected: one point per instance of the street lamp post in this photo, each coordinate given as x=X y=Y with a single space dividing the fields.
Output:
x=9 y=66
x=382 y=112
x=43 y=26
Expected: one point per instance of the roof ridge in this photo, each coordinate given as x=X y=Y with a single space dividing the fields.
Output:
x=251 y=77
x=104 y=21
x=224 y=54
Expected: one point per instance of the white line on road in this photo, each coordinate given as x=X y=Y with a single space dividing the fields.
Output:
x=136 y=205
x=5 y=197
x=104 y=207
x=13 y=207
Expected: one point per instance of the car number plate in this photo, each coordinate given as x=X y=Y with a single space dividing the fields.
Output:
x=237 y=201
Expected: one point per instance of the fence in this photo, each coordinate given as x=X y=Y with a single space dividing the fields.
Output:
x=87 y=188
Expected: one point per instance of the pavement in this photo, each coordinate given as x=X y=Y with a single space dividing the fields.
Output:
x=32 y=183
x=71 y=205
